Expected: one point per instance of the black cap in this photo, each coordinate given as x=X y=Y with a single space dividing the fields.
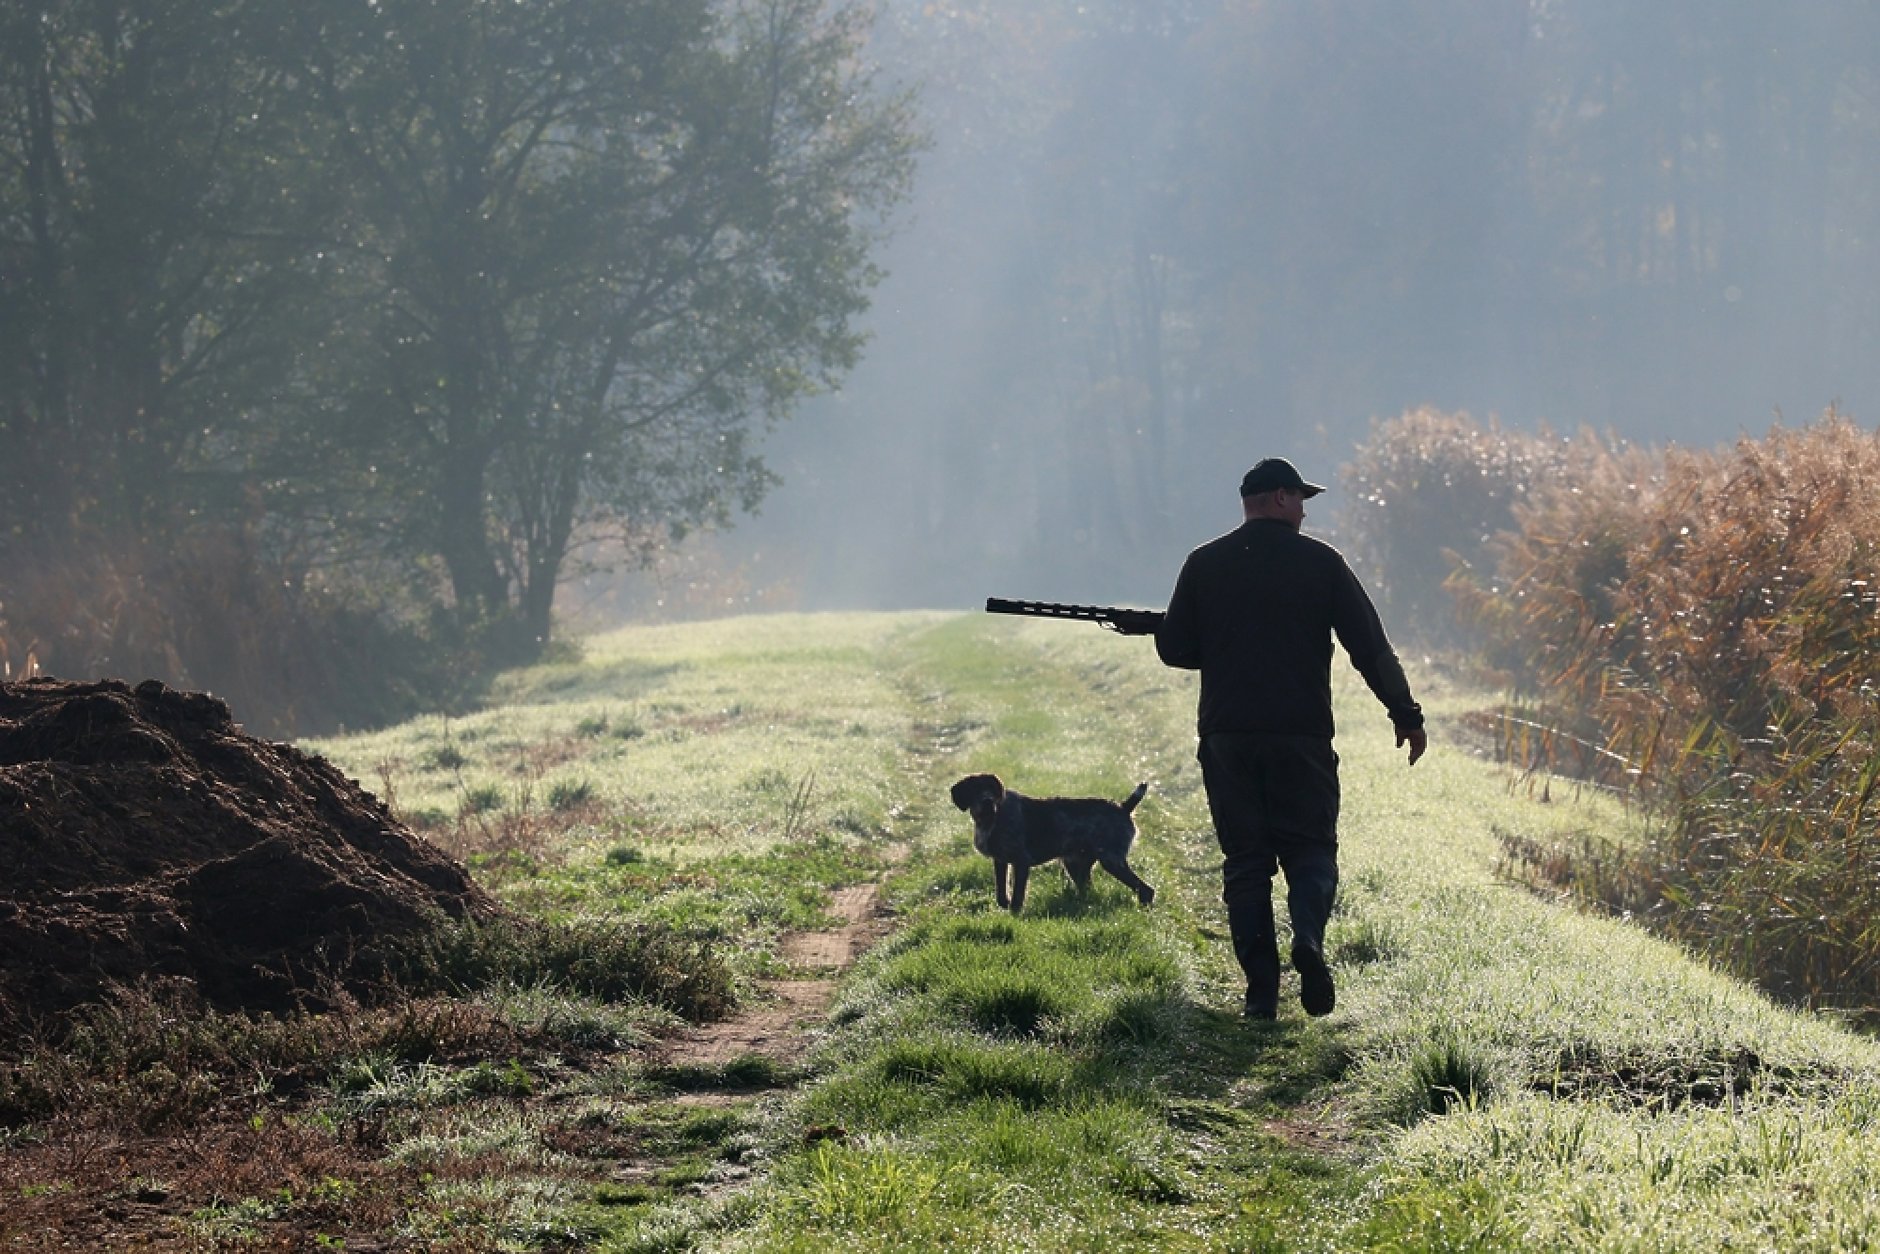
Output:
x=1273 y=473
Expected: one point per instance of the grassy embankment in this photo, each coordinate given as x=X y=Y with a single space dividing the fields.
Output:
x=1501 y=1073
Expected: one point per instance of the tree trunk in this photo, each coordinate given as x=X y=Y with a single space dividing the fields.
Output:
x=464 y=540
x=476 y=581
x=547 y=551
x=50 y=455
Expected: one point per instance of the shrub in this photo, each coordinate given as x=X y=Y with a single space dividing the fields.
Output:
x=1729 y=590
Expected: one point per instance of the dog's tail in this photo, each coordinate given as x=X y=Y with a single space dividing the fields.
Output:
x=1136 y=797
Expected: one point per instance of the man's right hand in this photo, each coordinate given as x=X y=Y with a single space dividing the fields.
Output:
x=1418 y=741
x=1134 y=622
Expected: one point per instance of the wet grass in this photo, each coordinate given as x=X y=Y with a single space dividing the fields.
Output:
x=1076 y=1079
x=1502 y=1073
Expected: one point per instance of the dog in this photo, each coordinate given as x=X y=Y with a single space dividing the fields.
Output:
x=1023 y=832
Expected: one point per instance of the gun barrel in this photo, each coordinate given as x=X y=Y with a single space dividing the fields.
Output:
x=1045 y=609
x=1128 y=622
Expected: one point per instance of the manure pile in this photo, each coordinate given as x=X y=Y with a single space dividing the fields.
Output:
x=142 y=834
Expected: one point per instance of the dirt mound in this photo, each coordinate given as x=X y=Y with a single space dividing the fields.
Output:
x=142 y=834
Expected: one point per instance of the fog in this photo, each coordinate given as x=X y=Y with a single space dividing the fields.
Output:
x=1152 y=242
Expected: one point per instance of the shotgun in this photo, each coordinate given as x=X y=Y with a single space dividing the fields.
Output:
x=1126 y=622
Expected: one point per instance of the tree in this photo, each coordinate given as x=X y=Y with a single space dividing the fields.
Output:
x=152 y=272
x=596 y=246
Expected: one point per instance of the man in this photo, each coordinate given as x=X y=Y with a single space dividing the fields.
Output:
x=1255 y=612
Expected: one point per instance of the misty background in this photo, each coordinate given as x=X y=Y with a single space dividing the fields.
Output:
x=1151 y=242
x=349 y=352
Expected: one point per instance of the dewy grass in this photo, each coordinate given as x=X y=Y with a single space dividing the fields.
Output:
x=731 y=722
x=1076 y=1078
x=727 y=897
x=603 y=958
x=1016 y=978
x=1459 y=997
x=1779 y=1174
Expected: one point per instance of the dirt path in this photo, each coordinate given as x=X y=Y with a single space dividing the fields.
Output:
x=781 y=1024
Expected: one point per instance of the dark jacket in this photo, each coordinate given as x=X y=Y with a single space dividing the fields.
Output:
x=1255 y=612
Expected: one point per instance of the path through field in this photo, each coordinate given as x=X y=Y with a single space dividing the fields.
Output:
x=786 y=1016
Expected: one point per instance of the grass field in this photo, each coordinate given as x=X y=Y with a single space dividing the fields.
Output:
x=1502 y=1073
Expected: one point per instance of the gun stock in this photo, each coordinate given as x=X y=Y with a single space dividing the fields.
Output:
x=1122 y=621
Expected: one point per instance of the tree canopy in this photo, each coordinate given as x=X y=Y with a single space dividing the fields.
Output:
x=448 y=284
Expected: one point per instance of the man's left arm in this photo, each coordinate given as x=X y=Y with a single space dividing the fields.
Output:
x=1361 y=632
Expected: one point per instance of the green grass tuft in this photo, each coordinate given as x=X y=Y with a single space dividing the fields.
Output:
x=1447 y=1071
x=595 y=957
x=570 y=794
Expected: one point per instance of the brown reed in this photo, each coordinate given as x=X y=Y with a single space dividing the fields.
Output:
x=1712 y=621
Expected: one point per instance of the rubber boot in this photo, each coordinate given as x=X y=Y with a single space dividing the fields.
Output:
x=1256 y=948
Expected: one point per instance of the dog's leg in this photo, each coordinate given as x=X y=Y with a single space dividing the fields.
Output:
x=1078 y=865
x=1120 y=869
x=998 y=883
x=1020 y=874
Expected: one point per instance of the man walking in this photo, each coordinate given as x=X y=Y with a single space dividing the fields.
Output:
x=1255 y=612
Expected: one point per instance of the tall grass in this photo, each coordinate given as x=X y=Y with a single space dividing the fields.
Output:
x=1703 y=628
x=155 y=1057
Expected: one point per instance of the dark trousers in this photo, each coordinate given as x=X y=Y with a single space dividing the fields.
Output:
x=1274 y=799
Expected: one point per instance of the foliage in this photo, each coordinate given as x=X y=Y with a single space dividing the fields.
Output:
x=154 y=283
x=396 y=294
x=579 y=284
x=589 y=242
x=154 y=294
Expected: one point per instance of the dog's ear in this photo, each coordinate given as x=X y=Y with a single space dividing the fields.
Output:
x=964 y=792
x=973 y=787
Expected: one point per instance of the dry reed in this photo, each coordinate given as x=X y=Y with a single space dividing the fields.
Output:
x=1703 y=628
